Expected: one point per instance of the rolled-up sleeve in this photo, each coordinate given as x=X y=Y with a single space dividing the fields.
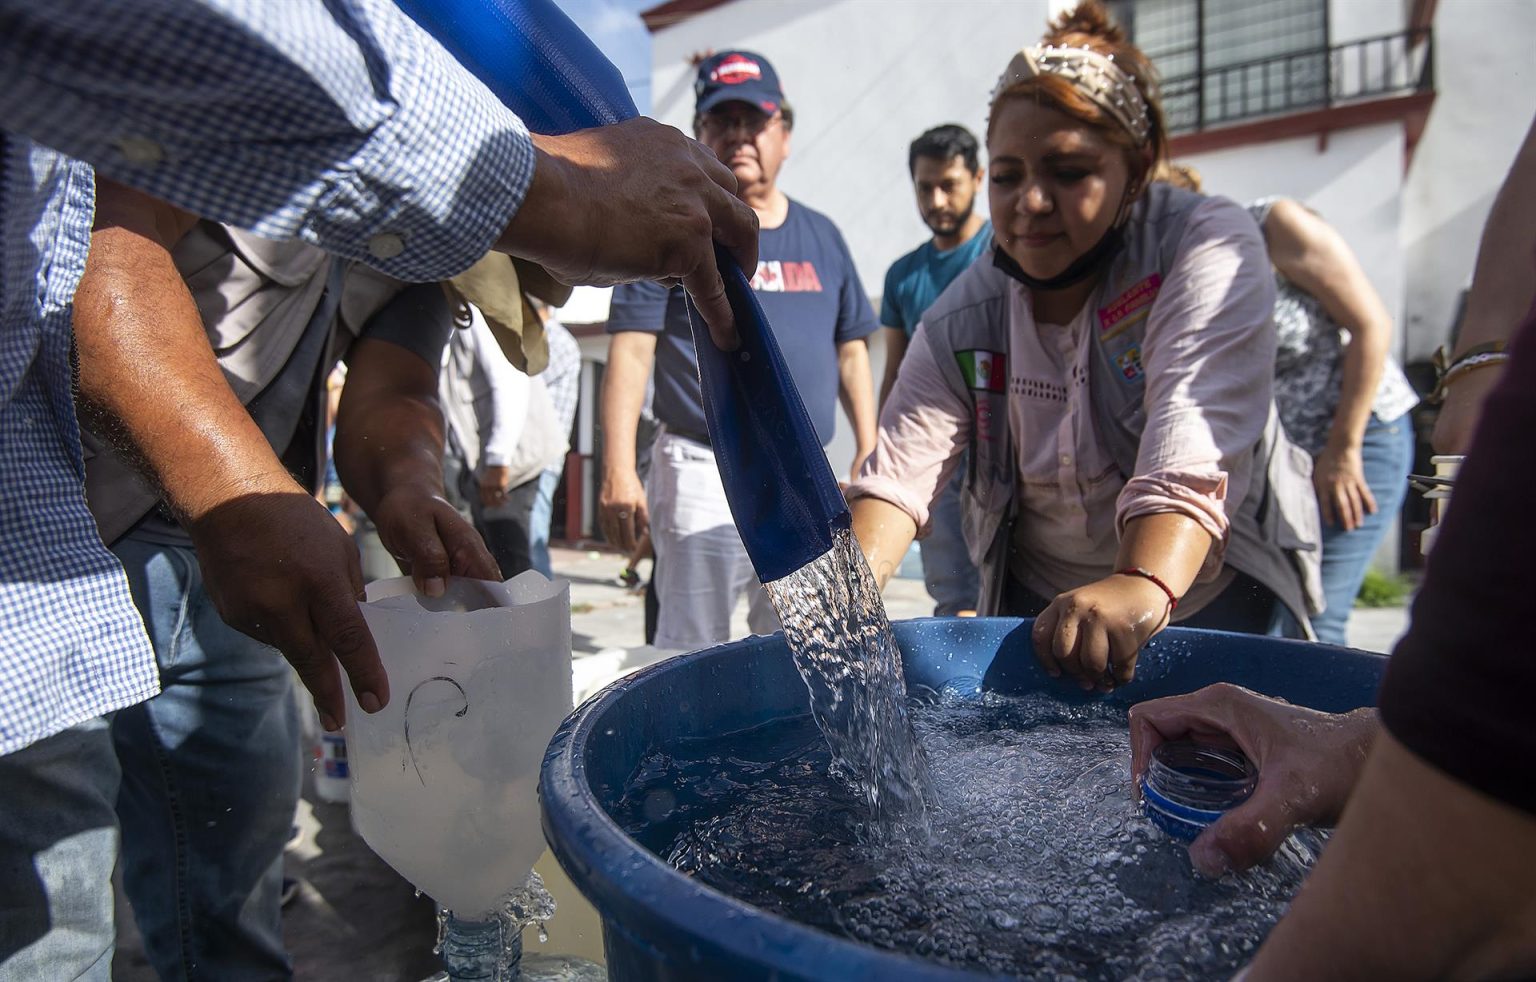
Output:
x=1209 y=355
x=924 y=428
x=341 y=123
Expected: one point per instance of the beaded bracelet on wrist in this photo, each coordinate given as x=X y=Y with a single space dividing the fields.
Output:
x=1483 y=356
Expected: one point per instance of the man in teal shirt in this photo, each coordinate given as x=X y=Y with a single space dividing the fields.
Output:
x=946 y=175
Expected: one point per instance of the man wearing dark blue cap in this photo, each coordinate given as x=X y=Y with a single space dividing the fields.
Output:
x=810 y=291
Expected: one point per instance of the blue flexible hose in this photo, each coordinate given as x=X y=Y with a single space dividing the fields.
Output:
x=781 y=491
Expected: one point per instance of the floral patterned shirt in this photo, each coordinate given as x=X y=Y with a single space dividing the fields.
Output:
x=1309 y=363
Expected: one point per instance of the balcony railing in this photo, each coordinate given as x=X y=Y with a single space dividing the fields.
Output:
x=1371 y=68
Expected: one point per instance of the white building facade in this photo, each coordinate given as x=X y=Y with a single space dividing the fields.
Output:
x=1407 y=181
x=1394 y=119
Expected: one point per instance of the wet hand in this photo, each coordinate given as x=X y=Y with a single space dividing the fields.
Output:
x=431 y=539
x=1308 y=764
x=279 y=568
x=622 y=510
x=494 y=482
x=1343 y=496
x=1093 y=634
x=632 y=201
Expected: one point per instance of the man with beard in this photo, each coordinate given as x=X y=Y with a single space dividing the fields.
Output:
x=946 y=175
x=808 y=287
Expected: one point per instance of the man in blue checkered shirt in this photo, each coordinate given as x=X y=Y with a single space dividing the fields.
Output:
x=336 y=121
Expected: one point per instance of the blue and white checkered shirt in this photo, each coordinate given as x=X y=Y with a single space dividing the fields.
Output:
x=563 y=374
x=336 y=121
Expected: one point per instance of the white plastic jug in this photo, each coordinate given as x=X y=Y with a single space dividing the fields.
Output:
x=445 y=777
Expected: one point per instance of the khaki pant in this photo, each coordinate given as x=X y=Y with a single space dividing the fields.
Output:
x=701 y=565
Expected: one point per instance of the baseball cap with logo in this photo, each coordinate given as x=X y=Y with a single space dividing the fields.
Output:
x=737 y=76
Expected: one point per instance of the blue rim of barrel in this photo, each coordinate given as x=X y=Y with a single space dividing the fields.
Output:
x=650 y=898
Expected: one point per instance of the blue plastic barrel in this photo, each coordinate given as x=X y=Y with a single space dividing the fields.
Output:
x=660 y=924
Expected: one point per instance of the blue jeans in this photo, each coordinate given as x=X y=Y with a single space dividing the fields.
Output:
x=948 y=573
x=1387 y=451
x=58 y=844
x=539 y=521
x=211 y=774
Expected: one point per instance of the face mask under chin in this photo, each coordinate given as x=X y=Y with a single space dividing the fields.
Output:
x=1084 y=266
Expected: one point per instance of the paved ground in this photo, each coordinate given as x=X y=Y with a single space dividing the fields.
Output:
x=355 y=919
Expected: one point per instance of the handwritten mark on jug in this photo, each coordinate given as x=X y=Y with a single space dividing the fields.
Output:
x=411 y=751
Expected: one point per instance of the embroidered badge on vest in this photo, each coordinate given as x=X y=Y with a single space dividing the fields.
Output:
x=1130 y=363
x=984 y=371
x=1128 y=308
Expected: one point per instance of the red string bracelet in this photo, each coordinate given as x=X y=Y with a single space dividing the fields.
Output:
x=1147 y=574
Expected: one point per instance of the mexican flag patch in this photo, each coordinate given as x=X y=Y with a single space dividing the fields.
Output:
x=984 y=371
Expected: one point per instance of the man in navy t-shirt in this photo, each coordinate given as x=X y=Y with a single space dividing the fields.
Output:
x=819 y=312
x=946 y=175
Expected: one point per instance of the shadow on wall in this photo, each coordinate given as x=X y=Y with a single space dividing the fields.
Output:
x=1430 y=302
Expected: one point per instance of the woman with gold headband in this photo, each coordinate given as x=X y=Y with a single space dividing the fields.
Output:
x=1108 y=365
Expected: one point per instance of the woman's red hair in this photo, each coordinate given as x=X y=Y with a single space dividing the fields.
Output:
x=1089 y=25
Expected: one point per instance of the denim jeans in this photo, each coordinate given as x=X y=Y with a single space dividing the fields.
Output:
x=1387 y=451
x=948 y=573
x=211 y=774
x=58 y=844
x=539 y=520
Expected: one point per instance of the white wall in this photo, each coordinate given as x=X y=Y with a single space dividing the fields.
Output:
x=1354 y=181
x=1352 y=20
x=1486 y=80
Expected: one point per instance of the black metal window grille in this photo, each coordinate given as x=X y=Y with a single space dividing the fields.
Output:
x=1226 y=61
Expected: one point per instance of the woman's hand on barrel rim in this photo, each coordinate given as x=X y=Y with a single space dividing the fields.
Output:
x=1094 y=633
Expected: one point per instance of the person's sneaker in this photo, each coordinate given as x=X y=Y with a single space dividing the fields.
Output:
x=289 y=892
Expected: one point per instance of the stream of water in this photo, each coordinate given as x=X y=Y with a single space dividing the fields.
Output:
x=835 y=623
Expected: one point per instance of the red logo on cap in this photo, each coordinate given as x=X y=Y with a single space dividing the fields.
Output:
x=736 y=69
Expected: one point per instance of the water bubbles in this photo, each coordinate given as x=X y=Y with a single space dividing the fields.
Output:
x=1035 y=863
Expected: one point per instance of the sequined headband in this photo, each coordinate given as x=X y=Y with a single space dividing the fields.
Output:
x=1095 y=75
